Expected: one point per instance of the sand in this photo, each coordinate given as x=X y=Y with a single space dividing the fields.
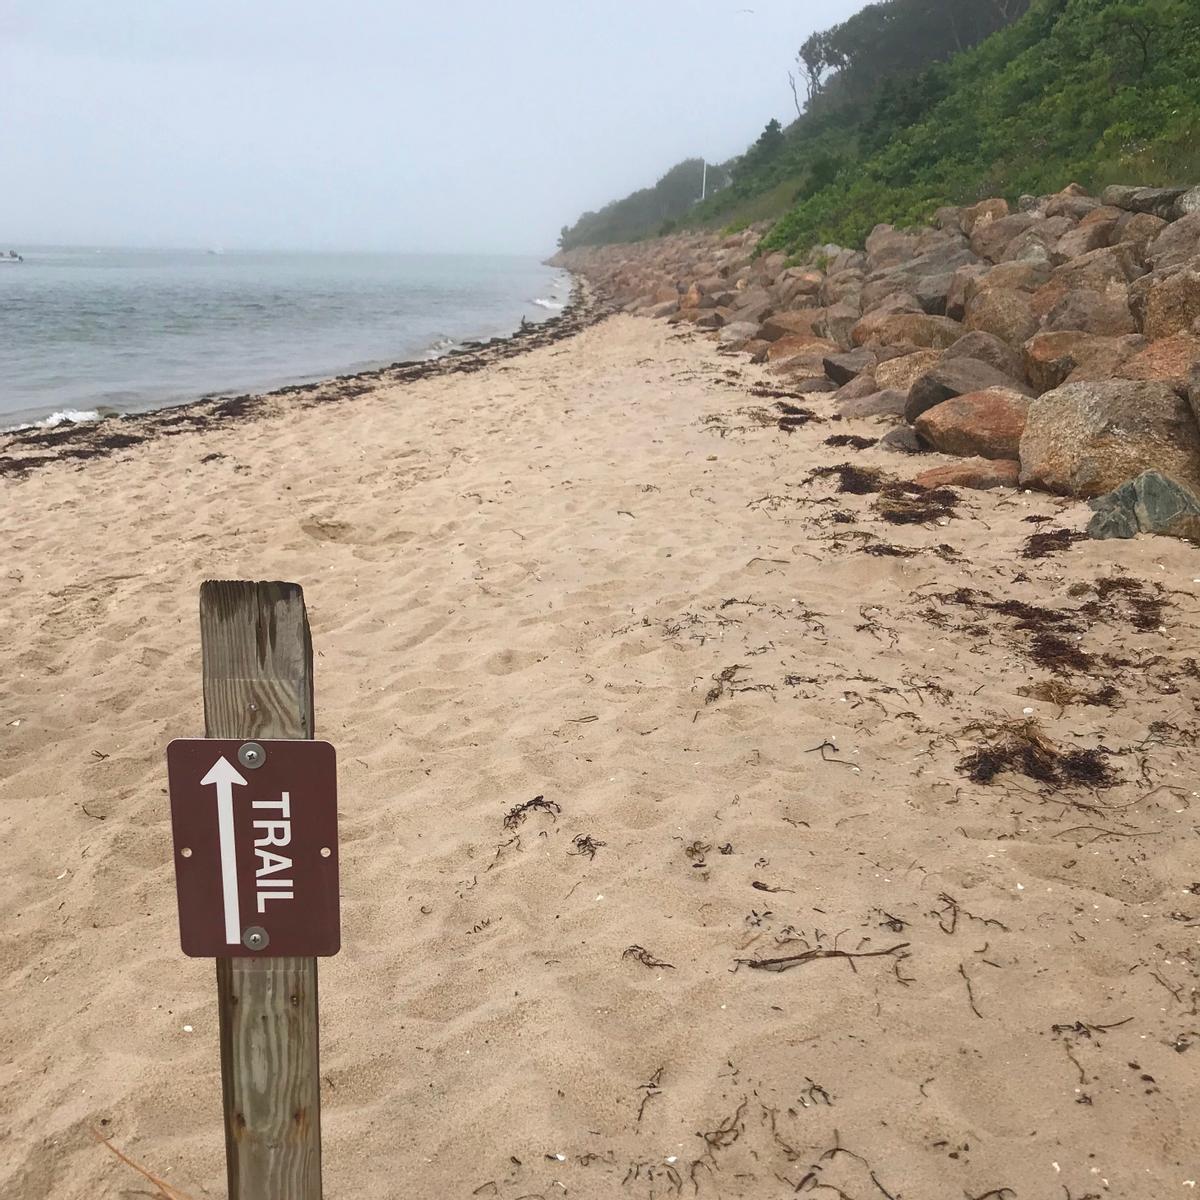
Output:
x=588 y=574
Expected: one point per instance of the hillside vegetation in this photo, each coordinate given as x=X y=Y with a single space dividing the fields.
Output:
x=644 y=213
x=915 y=104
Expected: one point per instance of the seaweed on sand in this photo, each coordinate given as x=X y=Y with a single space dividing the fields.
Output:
x=1023 y=749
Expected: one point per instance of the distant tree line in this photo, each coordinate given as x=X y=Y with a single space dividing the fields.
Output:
x=648 y=212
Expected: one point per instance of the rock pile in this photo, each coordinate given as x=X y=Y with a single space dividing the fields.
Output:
x=1052 y=344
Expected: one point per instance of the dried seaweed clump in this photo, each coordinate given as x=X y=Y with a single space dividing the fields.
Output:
x=1142 y=609
x=857 y=481
x=1041 y=545
x=904 y=503
x=1022 y=748
x=517 y=814
x=851 y=440
x=793 y=417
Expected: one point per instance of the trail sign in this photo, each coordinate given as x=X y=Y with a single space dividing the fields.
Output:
x=255 y=832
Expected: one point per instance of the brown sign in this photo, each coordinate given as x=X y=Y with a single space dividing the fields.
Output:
x=256 y=856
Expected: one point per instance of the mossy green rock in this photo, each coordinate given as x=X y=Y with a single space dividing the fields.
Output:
x=1151 y=503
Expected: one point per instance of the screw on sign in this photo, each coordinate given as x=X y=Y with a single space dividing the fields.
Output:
x=256 y=866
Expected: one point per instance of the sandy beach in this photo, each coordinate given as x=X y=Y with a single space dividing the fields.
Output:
x=766 y=723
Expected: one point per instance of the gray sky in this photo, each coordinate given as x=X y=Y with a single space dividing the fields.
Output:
x=473 y=125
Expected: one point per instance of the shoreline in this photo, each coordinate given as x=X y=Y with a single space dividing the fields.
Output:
x=71 y=441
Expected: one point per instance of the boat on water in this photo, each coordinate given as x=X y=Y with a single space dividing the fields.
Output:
x=11 y=257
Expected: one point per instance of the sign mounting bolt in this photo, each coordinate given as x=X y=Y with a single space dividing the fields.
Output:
x=256 y=938
x=251 y=755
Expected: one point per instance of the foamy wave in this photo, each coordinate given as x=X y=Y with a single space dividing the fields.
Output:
x=440 y=347
x=72 y=416
x=553 y=305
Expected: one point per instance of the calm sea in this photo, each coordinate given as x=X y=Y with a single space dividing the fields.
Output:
x=86 y=332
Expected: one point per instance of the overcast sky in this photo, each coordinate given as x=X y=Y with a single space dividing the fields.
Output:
x=472 y=125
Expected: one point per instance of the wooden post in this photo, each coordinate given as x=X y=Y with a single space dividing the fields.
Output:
x=257 y=662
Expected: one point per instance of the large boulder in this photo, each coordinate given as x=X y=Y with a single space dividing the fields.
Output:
x=1051 y=359
x=837 y=323
x=1072 y=201
x=889 y=247
x=955 y=377
x=983 y=213
x=1176 y=244
x=980 y=473
x=1023 y=276
x=900 y=372
x=1084 y=439
x=842 y=368
x=961 y=287
x=1151 y=503
x=1137 y=231
x=857 y=388
x=795 y=283
x=1187 y=204
x=1172 y=305
x=1037 y=243
x=888 y=403
x=1170 y=360
x=801 y=321
x=1092 y=310
x=1003 y=312
x=737 y=335
x=988 y=348
x=802 y=345
x=920 y=329
x=985 y=424
x=990 y=239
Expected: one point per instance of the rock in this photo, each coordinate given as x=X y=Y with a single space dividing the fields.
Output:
x=1151 y=503
x=903 y=439
x=1118 y=196
x=1176 y=244
x=812 y=384
x=1036 y=244
x=837 y=323
x=1084 y=439
x=1083 y=240
x=990 y=238
x=758 y=350
x=948 y=218
x=796 y=345
x=1105 y=312
x=979 y=473
x=1098 y=268
x=1170 y=360
x=1187 y=204
x=955 y=377
x=1172 y=304
x=888 y=403
x=1069 y=205
x=711 y=318
x=985 y=424
x=919 y=328
x=1138 y=231
x=845 y=285
x=666 y=309
x=753 y=304
x=737 y=335
x=858 y=387
x=1021 y=276
x=1158 y=201
x=787 y=324
x=1003 y=312
x=842 y=368
x=900 y=372
x=889 y=247
x=983 y=213
x=933 y=292
x=1053 y=358
x=960 y=284
x=988 y=348
x=795 y=283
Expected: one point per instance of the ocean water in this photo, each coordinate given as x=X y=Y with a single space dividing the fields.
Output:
x=86 y=332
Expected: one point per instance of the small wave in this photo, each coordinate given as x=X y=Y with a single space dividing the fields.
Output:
x=553 y=305
x=71 y=416
x=440 y=347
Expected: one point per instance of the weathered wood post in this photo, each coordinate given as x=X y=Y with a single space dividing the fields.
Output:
x=258 y=683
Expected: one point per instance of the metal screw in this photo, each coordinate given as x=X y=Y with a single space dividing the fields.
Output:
x=251 y=755
x=256 y=938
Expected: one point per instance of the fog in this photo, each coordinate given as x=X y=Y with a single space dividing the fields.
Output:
x=366 y=125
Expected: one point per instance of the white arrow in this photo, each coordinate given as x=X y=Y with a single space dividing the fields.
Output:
x=224 y=775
